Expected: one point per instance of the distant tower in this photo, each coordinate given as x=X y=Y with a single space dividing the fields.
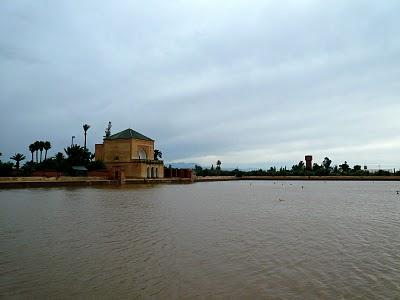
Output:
x=308 y=159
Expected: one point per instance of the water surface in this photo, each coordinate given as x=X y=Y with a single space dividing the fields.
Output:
x=271 y=240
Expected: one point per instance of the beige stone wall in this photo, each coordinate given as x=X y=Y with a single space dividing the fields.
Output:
x=147 y=146
x=158 y=170
x=134 y=170
x=124 y=150
x=137 y=169
x=117 y=151
x=99 y=151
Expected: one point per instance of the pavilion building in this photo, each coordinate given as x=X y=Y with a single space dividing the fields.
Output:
x=129 y=154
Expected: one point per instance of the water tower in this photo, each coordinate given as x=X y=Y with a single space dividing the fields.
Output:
x=308 y=159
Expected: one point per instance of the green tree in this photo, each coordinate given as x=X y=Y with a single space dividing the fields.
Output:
x=6 y=168
x=237 y=173
x=157 y=154
x=382 y=173
x=77 y=156
x=218 y=168
x=46 y=146
x=282 y=171
x=60 y=162
x=18 y=157
x=357 y=168
x=318 y=170
x=299 y=169
x=32 y=149
x=344 y=167
x=198 y=170
x=85 y=129
x=327 y=163
x=271 y=171
x=28 y=168
x=108 y=130
x=335 y=170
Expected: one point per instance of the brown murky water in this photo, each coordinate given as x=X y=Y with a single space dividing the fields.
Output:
x=329 y=240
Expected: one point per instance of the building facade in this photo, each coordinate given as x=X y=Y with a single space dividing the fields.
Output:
x=129 y=154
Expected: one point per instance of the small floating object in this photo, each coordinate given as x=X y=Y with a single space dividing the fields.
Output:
x=397 y=192
x=281 y=199
x=302 y=187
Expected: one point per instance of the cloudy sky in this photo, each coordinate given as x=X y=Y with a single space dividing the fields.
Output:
x=252 y=83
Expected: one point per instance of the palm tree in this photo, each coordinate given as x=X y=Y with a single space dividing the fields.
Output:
x=32 y=149
x=41 y=147
x=85 y=129
x=17 y=157
x=37 y=144
x=46 y=147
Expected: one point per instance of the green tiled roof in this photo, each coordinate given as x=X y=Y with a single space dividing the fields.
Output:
x=129 y=134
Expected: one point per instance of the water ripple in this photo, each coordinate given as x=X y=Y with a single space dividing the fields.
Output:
x=330 y=240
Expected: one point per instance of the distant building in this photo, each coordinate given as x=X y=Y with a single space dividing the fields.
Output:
x=129 y=154
x=308 y=159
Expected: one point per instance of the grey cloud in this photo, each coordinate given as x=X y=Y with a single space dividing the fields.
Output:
x=250 y=83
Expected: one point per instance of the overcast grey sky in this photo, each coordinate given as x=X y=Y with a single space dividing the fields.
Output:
x=252 y=83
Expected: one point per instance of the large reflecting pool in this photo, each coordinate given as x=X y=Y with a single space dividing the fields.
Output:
x=278 y=240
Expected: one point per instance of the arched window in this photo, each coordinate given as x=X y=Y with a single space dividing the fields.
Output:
x=152 y=172
x=142 y=154
x=156 y=172
x=148 y=172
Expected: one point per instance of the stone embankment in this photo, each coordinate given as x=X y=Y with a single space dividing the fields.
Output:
x=320 y=178
x=28 y=182
x=157 y=180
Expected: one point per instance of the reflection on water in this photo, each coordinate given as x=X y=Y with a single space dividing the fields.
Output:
x=207 y=240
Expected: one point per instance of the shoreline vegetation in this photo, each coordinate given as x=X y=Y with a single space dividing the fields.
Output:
x=48 y=182
x=317 y=170
x=61 y=164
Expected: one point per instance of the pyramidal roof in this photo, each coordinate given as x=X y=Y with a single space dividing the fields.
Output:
x=128 y=134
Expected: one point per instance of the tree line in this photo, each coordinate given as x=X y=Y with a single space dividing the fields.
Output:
x=323 y=169
x=75 y=155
